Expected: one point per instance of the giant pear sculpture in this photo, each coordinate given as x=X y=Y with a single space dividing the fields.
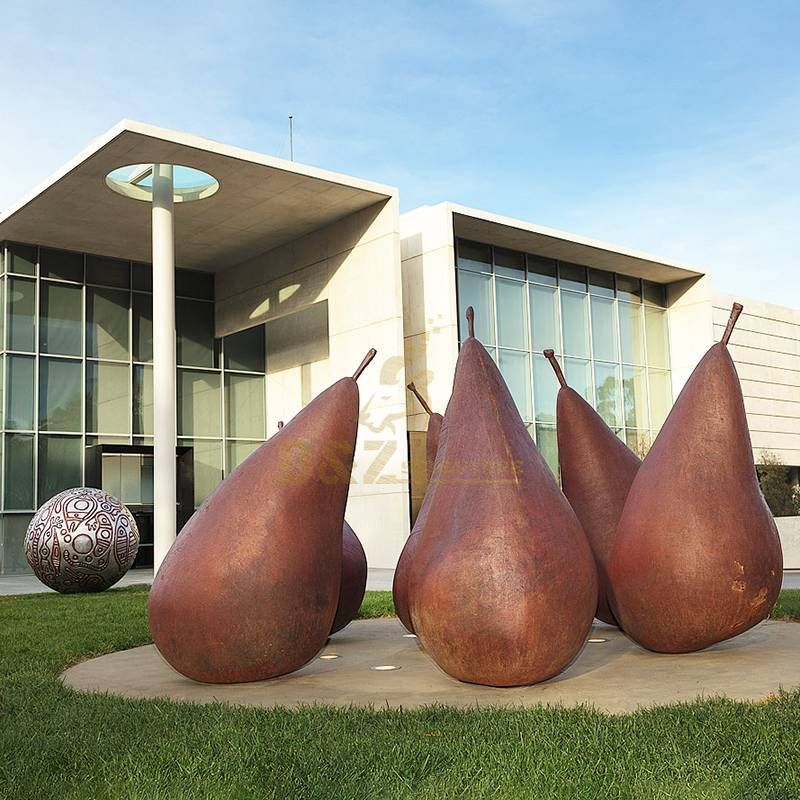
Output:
x=401 y=572
x=503 y=585
x=597 y=470
x=251 y=586
x=696 y=558
x=354 y=579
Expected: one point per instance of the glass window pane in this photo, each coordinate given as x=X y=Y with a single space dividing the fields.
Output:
x=542 y=270
x=474 y=256
x=142 y=327
x=631 y=333
x=61 y=320
x=655 y=321
x=601 y=283
x=476 y=291
x=142 y=276
x=578 y=373
x=19 y=471
x=61 y=264
x=107 y=324
x=238 y=452
x=575 y=324
x=547 y=443
x=572 y=276
x=655 y=294
x=517 y=374
x=198 y=403
x=108 y=398
x=108 y=272
x=545 y=390
x=629 y=288
x=143 y=399
x=111 y=474
x=21 y=313
x=244 y=406
x=193 y=283
x=194 y=322
x=638 y=441
x=60 y=395
x=245 y=350
x=608 y=401
x=207 y=458
x=512 y=323
x=509 y=263
x=60 y=462
x=22 y=259
x=544 y=318
x=660 y=396
x=634 y=396
x=604 y=329
x=14 y=528
x=19 y=392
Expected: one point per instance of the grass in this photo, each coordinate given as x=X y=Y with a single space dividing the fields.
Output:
x=56 y=743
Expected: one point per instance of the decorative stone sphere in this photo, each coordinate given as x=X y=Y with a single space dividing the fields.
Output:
x=82 y=540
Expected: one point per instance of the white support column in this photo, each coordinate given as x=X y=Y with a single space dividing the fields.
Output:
x=164 y=415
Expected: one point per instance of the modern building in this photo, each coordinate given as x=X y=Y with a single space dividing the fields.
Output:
x=286 y=275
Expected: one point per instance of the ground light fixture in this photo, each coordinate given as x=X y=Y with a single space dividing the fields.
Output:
x=163 y=186
x=329 y=656
x=384 y=668
x=597 y=640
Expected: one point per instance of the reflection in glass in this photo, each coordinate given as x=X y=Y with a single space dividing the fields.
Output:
x=19 y=392
x=575 y=324
x=474 y=256
x=515 y=368
x=578 y=373
x=509 y=263
x=607 y=393
x=655 y=322
x=545 y=389
x=14 y=529
x=194 y=323
x=601 y=283
x=638 y=441
x=108 y=272
x=60 y=461
x=512 y=324
x=21 y=313
x=604 y=329
x=143 y=399
x=476 y=291
x=634 y=396
x=245 y=350
x=238 y=452
x=61 y=264
x=547 y=443
x=22 y=259
x=207 y=457
x=542 y=270
x=244 y=404
x=142 y=327
x=107 y=324
x=572 y=276
x=660 y=396
x=631 y=333
x=108 y=398
x=60 y=395
x=655 y=294
x=61 y=321
x=629 y=288
x=198 y=403
x=19 y=471
x=544 y=318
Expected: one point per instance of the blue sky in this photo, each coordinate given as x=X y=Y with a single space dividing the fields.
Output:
x=670 y=127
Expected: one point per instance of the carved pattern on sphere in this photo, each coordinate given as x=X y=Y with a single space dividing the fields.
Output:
x=82 y=540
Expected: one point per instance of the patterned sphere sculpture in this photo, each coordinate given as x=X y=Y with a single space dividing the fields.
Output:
x=82 y=540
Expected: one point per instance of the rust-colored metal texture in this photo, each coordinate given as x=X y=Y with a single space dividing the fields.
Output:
x=503 y=585
x=250 y=588
x=354 y=579
x=400 y=582
x=697 y=558
x=597 y=470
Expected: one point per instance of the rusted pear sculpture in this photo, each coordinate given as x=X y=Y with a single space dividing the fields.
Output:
x=354 y=579
x=597 y=470
x=400 y=582
x=250 y=588
x=503 y=585
x=696 y=558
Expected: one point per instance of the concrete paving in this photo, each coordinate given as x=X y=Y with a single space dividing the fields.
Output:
x=612 y=674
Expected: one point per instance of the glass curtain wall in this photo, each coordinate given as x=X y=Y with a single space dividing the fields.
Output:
x=77 y=342
x=608 y=330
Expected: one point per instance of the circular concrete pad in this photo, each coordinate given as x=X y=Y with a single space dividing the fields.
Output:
x=614 y=675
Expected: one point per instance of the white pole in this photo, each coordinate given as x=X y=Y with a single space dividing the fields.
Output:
x=164 y=424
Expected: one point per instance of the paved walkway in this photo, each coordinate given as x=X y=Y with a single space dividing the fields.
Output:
x=612 y=674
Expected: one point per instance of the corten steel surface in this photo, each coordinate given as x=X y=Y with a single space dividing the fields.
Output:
x=597 y=470
x=503 y=585
x=697 y=559
x=400 y=583
x=250 y=588
x=354 y=579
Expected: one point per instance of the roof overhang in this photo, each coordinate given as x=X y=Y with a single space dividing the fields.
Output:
x=262 y=203
x=515 y=234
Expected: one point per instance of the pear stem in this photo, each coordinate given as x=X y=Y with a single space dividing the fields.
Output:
x=280 y=424
x=551 y=357
x=735 y=311
x=413 y=390
x=365 y=363
x=471 y=321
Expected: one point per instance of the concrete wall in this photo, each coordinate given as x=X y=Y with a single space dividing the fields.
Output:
x=789 y=530
x=347 y=273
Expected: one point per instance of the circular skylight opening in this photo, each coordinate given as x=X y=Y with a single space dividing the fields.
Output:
x=136 y=181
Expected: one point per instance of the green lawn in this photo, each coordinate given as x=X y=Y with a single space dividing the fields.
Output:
x=55 y=743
